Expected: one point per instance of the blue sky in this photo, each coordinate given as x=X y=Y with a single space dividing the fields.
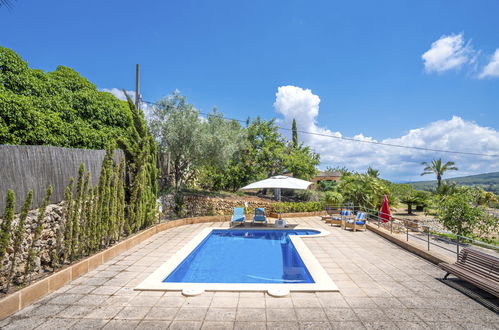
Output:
x=361 y=59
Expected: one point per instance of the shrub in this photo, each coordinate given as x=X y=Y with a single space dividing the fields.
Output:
x=289 y=207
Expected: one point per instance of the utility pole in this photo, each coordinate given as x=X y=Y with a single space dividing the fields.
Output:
x=137 y=86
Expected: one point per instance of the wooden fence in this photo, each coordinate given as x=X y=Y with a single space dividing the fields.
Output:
x=35 y=167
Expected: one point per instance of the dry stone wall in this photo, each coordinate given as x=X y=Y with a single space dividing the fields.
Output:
x=196 y=205
x=47 y=243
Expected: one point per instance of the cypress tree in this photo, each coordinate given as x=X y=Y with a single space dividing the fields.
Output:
x=19 y=235
x=68 y=224
x=113 y=205
x=84 y=218
x=94 y=221
x=38 y=231
x=295 y=134
x=75 y=214
x=5 y=229
x=120 y=208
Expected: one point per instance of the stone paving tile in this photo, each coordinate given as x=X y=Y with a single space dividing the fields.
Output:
x=215 y=325
x=412 y=325
x=56 y=323
x=251 y=302
x=92 y=299
x=347 y=325
x=185 y=325
x=223 y=302
x=340 y=314
x=24 y=323
x=191 y=313
x=154 y=325
x=161 y=313
x=310 y=314
x=121 y=325
x=251 y=314
x=221 y=314
x=280 y=314
x=132 y=313
x=104 y=312
x=380 y=325
x=283 y=325
x=250 y=326
x=271 y=302
x=88 y=324
x=76 y=311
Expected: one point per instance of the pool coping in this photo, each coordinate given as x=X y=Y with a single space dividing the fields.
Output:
x=323 y=282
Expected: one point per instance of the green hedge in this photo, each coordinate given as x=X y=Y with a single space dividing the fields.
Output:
x=290 y=207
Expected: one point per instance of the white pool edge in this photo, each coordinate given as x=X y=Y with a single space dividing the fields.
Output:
x=323 y=281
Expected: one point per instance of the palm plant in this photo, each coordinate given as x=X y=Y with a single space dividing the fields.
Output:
x=438 y=169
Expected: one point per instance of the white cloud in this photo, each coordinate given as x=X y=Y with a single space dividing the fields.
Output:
x=492 y=68
x=119 y=93
x=393 y=163
x=448 y=53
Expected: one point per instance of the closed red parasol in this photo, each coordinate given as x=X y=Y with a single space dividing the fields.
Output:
x=385 y=211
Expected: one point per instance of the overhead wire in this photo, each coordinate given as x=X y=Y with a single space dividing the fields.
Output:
x=357 y=140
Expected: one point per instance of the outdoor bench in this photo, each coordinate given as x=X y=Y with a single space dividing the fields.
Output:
x=476 y=267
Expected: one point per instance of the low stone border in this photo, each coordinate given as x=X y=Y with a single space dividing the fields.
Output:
x=297 y=214
x=24 y=297
x=431 y=256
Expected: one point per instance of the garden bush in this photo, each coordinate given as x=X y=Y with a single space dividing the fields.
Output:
x=290 y=207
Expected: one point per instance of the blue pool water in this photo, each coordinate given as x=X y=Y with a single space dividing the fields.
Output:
x=244 y=256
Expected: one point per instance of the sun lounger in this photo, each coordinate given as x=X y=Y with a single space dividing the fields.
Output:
x=259 y=216
x=238 y=216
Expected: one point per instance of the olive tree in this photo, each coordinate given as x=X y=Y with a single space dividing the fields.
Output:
x=190 y=140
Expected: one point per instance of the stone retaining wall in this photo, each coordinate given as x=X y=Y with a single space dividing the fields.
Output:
x=199 y=205
x=47 y=243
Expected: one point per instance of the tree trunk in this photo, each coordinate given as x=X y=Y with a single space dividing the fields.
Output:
x=409 y=208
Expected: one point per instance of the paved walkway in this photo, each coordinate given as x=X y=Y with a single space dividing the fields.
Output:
x=381 y=287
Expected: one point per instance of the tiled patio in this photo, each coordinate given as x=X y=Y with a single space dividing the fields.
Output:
x=381 y=286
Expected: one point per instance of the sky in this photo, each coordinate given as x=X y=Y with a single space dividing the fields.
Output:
x=417 y=73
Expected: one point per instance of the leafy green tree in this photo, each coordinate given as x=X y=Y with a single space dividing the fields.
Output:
x=295 y=134
x=302 y=162
x=193 y=143
x=333 y=198
x=58 y=108
x=363 y=190
x=458 y=213
x=436 y=167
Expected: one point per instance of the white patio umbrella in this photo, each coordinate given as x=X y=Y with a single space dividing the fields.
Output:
x=278 y=182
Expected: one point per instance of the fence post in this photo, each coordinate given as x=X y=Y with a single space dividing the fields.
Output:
x=391 y=226
x=458 y=247
x=407 y=233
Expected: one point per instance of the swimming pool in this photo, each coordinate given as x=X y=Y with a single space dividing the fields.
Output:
x=220 y=259
x=244 y=256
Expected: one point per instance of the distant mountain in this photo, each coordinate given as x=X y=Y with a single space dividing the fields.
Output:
x=486 y=181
